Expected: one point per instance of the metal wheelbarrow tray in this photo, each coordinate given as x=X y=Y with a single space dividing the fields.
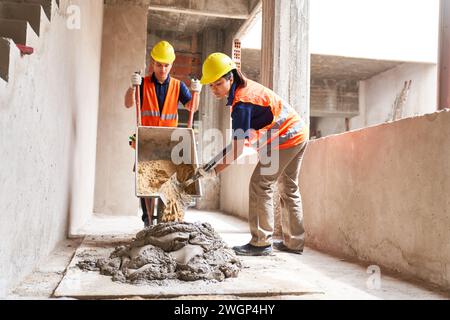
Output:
x=155 y=144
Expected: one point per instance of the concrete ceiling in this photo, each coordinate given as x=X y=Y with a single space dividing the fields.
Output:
x=325 y=66
x=345 y=68
x=195 y=16
x=176 y=22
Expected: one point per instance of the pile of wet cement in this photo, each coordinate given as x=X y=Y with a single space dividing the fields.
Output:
x=184 y=251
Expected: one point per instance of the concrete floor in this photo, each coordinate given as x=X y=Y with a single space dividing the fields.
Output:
x=327 y=277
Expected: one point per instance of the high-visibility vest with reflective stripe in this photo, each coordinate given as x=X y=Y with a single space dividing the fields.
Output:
x=287 y=126
x=150 y=114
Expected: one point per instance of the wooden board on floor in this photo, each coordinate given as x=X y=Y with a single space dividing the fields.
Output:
x=260 y=277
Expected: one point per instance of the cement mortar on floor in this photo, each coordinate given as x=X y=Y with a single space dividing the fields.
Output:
x=260 y=276
x=185 y=251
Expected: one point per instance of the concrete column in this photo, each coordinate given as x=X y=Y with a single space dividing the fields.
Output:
x=444 y=56
x=285 y=57
x=210 y=110
x=225 y=113
x=123 y=52
x=285 y=60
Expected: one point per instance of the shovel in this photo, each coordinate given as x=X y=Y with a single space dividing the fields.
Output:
x=175 y=191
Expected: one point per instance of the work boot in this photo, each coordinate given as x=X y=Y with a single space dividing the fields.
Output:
x=251 y=250
x=146 y=223
x=279 y=245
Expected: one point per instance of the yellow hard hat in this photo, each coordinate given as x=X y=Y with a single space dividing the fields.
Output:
x=215 y=66
x=163 y=52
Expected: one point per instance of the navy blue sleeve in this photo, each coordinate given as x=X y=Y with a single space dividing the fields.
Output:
x=242 y=117
x=185 y=94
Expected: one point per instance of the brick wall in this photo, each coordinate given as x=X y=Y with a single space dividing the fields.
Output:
x=335 y=97
x=187 y=66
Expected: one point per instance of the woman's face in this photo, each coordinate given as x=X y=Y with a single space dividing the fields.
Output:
x=221 y=87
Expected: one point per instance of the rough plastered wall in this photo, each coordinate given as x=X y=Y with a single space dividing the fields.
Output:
x=234 y=193
x=211 y=135
x=381 y=194
x=330 y=125
x=123 y=52
x=47 y=140
x=377 y=94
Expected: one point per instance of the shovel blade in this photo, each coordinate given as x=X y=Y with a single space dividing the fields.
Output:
x=170 y=184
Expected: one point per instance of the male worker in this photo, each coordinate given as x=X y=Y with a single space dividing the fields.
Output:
x=255 y=110
x=160 y=95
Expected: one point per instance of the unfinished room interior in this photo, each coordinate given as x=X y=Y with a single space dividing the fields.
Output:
x=77 y=223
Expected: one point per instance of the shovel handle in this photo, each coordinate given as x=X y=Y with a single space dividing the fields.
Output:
x=195 y=98
x=138 y=102
x=217 y=158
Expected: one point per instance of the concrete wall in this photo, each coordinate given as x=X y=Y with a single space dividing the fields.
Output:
x=210 y=112
x=381 y=195
x=123 y=52
x=47 y=140
x=234 y=193
x=251 y=63
x=378 y=94
x=330 y=125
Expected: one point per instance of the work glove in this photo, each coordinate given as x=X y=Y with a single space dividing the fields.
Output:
x=132 y=141
x=196 y=85
x=136 y=80
x=202 y=173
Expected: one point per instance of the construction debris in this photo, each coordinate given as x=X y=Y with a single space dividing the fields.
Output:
x=400 y=101
x=184 y=251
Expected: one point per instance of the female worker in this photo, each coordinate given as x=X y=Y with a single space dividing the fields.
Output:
x=258 y=114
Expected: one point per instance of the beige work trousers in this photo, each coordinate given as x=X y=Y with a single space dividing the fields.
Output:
x=261 y=204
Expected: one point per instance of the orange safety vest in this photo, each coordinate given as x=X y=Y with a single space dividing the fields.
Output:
x=150 y=114
x=287 y=125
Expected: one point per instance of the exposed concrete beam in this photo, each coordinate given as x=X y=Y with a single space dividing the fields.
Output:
x=285 y=56
x=444 y=56
x=333 y=114
x=206 y=13
x=251 y=21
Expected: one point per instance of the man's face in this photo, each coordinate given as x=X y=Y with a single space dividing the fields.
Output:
x=161 y=70
x=221 y=88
